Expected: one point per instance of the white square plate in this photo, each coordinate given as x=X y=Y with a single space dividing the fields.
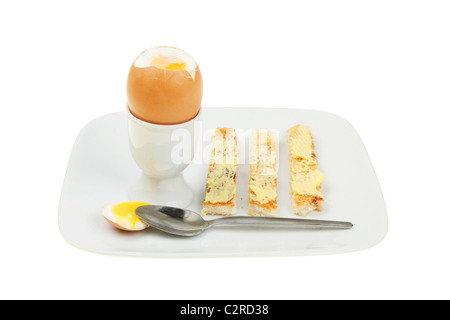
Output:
x=101 y=169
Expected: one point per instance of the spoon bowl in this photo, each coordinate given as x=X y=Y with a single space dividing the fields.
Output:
x=188 y=223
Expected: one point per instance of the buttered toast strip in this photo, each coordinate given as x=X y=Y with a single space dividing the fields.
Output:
x=305 y=176
x=220 y=195
x=263 y=194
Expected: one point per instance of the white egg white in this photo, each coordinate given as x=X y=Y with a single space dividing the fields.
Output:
x=144 y=60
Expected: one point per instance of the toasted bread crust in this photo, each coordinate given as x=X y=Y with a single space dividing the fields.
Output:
x=305 y=177
x=263 y=183
x=220 y=190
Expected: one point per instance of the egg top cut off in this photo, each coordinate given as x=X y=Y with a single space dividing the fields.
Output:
x=164 y=86
x=123 y=215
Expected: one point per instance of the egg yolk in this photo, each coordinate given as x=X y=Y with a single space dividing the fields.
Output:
x=125 y=213
x=163 y=63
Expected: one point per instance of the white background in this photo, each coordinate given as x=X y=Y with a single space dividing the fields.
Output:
x=382 y=65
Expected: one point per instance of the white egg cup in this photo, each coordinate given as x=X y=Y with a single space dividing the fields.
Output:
x=162 y=152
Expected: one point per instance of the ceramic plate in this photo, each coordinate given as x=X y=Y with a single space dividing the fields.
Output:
x=101 y=170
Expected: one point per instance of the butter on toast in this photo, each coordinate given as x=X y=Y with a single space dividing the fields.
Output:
x=263 y=183
x=305 y=176
x=220 y=193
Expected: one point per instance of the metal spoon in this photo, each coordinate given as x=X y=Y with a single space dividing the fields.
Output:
x=188 y=223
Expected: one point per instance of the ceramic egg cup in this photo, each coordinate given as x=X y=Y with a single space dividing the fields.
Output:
x=162 y=152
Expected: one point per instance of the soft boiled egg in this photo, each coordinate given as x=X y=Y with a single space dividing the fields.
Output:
x=123 y=215
x=164 y=86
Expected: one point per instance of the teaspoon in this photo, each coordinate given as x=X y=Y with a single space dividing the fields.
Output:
x=189 y=223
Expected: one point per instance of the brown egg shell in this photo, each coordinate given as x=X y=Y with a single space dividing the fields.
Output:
x=162 y=96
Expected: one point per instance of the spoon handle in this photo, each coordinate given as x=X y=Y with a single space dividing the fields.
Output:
x=269 y=221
